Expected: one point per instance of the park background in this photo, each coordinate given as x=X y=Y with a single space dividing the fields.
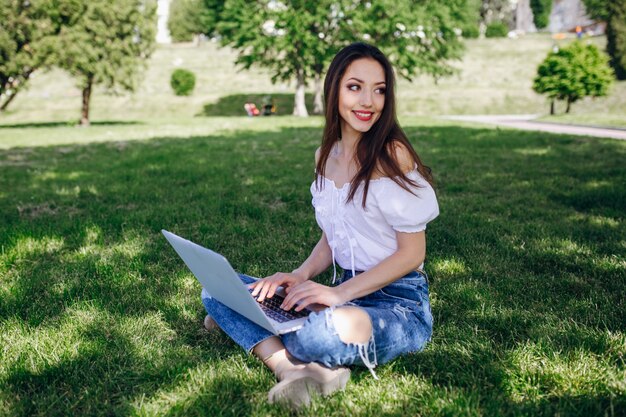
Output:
x=99 y=316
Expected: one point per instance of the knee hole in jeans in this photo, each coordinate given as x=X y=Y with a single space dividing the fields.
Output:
x=353 y=324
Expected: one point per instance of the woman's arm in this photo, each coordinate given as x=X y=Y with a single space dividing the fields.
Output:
x=317 y=262
x=320 y=258
x=409 y=255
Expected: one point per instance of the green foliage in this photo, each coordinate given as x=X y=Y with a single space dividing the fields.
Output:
x=420 y=38
x=541 y=12
x=28 y=38
x=616 y=37
x=597 y=9
x=108 y=44
x=191 y=17
x=467 y=13
x=297 y=39
x=573 y=72
x=183 y=82
x=470 y=31
x=497 y=30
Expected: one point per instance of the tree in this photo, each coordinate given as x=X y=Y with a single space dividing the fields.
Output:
x=492 y=11
x=470 y=16
x=614 y=14
x=192 y=17
x=108 y=45
x=573 y=72
x=28 y=31
x=418 y=37
x=541 y=12
x=297 y=38
x=616 y=37
x=597 y=9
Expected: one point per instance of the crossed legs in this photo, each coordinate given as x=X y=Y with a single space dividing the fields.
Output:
x=297 y=380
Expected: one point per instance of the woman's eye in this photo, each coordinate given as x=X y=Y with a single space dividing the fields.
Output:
x=353 y=87
x=381 y=90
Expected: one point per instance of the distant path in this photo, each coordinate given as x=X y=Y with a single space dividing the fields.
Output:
x=526 y=122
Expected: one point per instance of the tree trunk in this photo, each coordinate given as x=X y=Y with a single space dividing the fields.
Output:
x=299 y=105
x=552 y=107
x=318 y=103
x=569 y=102
x=84 y=120
x=9 y=100
x=15 y=89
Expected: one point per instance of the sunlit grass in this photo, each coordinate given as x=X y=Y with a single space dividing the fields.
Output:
x=99 y=316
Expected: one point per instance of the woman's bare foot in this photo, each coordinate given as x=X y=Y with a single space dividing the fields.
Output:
x=297 y=386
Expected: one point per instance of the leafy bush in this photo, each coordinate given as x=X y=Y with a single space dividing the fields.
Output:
x=573 y=72
x=193 y=17
x=497 y=30
x=470 y=32
x=183 y=82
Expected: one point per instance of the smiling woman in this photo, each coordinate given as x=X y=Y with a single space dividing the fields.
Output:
x=362 y=95
x=373 y=198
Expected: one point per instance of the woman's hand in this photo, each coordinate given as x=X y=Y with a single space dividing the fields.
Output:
x=310 y=292
x=266 y=287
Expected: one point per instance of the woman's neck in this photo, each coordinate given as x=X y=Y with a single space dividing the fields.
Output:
x=348 y=144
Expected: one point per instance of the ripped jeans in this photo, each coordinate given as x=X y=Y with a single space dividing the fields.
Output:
x=401 y=320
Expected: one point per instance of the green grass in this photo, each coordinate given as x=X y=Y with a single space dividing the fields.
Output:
x=99 y=316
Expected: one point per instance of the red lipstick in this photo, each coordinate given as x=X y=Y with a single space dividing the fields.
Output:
x=364 y=116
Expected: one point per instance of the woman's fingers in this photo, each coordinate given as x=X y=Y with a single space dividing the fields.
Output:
x=266 y=287
x=267 y=291
x=298 y=294
x=256 y=287
x=305 y=302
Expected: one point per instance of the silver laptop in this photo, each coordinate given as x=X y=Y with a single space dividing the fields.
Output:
x=222 y=282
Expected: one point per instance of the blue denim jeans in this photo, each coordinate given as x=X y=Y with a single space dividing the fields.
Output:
x=401 y=320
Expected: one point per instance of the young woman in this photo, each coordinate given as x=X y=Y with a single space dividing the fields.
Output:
x=373 y=199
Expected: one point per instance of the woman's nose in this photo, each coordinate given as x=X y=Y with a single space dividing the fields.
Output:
x=365 y=99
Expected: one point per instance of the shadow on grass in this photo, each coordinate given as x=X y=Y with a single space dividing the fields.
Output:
x=232 y=105
x=524 y=266
x=107 y=366
x=72 y=123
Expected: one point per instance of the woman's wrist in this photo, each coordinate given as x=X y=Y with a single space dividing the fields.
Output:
x=343 y=293
x=301 y=274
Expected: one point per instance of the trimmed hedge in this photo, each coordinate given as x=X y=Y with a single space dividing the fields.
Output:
x=497 y=30
x=470 y=32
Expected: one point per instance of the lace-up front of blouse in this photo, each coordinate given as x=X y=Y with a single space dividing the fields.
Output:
x=361 y=238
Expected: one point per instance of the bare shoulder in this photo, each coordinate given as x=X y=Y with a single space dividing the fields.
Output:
x=403 y=156
x=317 y=155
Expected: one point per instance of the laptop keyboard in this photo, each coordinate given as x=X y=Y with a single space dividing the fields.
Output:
x=271 y=307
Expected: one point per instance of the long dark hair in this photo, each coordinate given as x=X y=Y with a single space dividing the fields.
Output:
x=376 y=146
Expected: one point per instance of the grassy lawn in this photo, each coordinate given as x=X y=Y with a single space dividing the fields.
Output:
x=99 y=316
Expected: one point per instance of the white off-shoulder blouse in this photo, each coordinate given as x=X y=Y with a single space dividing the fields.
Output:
x=361 y=238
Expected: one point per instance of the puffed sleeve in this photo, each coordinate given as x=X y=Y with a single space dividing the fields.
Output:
x=404 y=211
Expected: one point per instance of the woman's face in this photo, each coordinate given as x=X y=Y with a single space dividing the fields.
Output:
x=361 y=95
